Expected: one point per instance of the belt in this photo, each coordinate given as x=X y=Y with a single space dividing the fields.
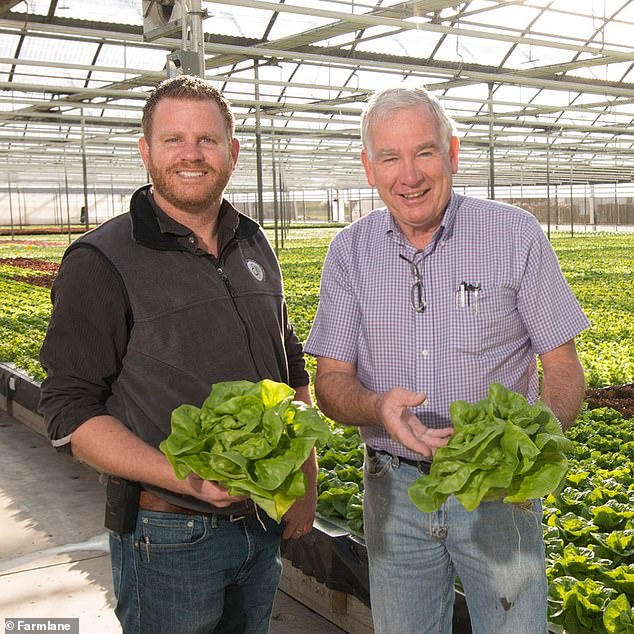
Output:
x=149 y=502
x=422 y=465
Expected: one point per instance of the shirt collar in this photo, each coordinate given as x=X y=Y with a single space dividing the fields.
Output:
x=446 y=225
x=227 y=225
x=449 y=218
x=152 y=227
x=166 y=223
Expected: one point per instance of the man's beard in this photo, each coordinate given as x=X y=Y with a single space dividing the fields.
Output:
x=194 y=199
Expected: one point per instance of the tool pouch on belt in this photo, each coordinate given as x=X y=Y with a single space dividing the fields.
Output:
x=122 y=504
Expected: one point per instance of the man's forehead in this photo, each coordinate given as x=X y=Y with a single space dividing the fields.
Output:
x=180 y=102
x=431 y=144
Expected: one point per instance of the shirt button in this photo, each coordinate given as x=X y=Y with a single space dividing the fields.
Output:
x=424 y=353
x=191 y=240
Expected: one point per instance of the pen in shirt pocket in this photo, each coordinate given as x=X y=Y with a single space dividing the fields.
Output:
x=468 y=295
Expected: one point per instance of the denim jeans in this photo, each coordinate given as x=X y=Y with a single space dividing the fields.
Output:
x=497 y=551
x=194 y=574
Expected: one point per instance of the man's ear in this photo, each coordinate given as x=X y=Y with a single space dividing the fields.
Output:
x=235 y=151
x=454 y=151
x=367 y=166
x=144 y=151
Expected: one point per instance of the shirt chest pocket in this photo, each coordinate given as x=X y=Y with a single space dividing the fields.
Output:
x=484 y=321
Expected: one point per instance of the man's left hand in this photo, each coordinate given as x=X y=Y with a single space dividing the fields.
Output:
x=300 y=517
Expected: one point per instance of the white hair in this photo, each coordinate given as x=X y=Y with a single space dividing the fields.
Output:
x=389 y=99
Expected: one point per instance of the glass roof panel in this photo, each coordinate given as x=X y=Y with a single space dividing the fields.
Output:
x=413 y=43
x=8 y=44
x=568 y=24
x=229 y=19
x=461 y=49
x=504 y=16
x=317 y=75
x=36 y=7
x=612 y=72
x=125 y=11
x=527 y=56
x=32 y=74
x=5 y=72
x=288 y=24
x=63 y=52
x=338 y=5
x=130 y=58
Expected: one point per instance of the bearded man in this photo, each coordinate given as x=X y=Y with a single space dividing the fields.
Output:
x=149 y=310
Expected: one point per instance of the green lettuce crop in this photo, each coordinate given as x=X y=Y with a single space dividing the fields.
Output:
x=501 y=447
x=251 y=438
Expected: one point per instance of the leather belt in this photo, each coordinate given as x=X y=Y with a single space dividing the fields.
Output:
x=149 y=502
x=422 y=465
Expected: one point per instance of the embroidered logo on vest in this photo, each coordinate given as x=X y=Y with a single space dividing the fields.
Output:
x=256 y=270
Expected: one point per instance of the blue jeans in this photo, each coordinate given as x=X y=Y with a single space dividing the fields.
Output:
x=497 y=551
x=194 y=574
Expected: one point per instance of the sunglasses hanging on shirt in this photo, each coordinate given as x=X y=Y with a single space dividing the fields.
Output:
x=417 y=291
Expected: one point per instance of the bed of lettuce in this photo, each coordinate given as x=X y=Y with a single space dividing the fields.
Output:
x=589 y=529
x=252 y=438
x=340 y=478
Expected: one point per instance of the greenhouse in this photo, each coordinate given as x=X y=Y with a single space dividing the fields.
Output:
x=541 y=94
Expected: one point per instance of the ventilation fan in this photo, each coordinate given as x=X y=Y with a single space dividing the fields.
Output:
x=161 y=18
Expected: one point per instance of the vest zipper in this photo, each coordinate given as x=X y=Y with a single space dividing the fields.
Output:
x=229 y=288
x=225 y=280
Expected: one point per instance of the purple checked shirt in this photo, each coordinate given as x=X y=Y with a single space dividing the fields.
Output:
x=495 y=298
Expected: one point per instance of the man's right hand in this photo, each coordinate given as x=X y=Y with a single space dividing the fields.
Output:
x=211 y=492
x=393 y=411
x=109 y=446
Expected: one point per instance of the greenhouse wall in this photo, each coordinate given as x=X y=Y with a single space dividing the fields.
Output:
x=561 y=207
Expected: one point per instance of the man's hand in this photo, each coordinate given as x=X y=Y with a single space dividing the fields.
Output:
x=300 y=517
x=394 y=413
x=341 y=396
x=211 y=492
x=108 y=445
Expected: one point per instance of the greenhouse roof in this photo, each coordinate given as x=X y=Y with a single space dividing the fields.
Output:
x=542 y=91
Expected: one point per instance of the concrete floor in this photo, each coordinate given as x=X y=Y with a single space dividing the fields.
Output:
x=53 y=547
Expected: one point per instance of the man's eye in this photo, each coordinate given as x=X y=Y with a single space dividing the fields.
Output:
x=207 y=140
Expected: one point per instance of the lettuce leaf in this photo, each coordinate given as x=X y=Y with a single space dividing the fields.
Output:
x=579 y=605
x=618 y=617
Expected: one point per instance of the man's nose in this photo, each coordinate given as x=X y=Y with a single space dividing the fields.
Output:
x=191 y=151
x=410 y=174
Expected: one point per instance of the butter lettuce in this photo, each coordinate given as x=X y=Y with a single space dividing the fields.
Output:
x=618 y=617
x=502 y=447
x=251 y=438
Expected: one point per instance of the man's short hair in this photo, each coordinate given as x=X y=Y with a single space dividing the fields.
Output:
x=186 y=87
x=389 y=99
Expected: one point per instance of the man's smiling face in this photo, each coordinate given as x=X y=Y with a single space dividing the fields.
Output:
x=190 y=155
x=411 y=167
